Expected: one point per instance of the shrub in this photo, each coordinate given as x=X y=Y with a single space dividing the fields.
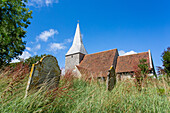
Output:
x=141 y=72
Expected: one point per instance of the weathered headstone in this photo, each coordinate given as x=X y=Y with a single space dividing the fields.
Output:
x=44 y=71
x=111 y=78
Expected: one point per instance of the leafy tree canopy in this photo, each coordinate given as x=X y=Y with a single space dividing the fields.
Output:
x=14 y=19
x=166 y=60
x=34 y=59
x=29 y=61
x=164 y=71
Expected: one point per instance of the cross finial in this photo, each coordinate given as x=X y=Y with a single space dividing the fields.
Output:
x=78 y=21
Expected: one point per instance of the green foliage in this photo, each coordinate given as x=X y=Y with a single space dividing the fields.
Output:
x=164 y=72
x=29 y=61
x=14 y=19
x=143 y=66
x=141 y=72
x=161 y=91
x=166 y=61
x=33 y=60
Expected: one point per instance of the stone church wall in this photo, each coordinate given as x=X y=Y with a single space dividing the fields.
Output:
x=123 y=76
x=72 y=60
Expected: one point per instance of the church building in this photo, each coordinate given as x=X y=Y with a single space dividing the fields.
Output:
x=105 y=65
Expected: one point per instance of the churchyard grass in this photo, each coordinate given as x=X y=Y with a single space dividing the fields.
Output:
x=80 y=95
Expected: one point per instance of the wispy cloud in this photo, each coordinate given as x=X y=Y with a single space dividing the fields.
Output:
x=37 y=47
x=69 y=40
x=56 y=46
x=28 y=48
x=50 y=2
x=122 y=53
x=46 y=34
x=33 y=50
x=41 y=3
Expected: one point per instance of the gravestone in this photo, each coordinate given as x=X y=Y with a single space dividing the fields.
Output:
x=44 y=71
x=111 y=78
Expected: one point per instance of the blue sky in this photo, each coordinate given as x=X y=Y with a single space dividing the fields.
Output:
x=128 y=25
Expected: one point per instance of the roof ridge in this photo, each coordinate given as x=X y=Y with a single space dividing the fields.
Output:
x=133 y=54
x=101 y=52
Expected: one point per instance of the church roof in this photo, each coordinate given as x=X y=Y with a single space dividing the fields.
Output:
x=97 y=64
x=77 y=46
x=127 y=63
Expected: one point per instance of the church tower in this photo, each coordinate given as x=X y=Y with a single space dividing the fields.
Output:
x=77 y=51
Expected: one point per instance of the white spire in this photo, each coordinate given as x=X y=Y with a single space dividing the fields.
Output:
x=77 y=46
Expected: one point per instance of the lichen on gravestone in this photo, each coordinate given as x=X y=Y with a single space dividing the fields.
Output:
x=46 y=71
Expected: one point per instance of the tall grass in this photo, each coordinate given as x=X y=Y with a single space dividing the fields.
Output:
x=80 y=95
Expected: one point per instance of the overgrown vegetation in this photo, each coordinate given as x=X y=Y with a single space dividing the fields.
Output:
x=80 y=95
x=141 y=72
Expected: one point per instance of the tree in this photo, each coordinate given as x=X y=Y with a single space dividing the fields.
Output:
x=14 y=19
x=29 y=61
x=165 y=71
x=166 y=60
x=34 y=59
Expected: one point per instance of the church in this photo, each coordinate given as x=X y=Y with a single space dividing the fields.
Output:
x=106 y=65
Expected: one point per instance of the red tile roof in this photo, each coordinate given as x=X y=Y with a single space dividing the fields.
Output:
x=127 y=63
x=97 y=64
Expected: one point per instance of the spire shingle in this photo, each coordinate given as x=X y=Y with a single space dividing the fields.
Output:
x=77 y=46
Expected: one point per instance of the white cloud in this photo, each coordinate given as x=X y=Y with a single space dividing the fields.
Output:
x=15 y=60
x=50 y=2
x=32 y=42
x=130 y=52
x=38 y=47
x=46 y=34
x=28 y=48
x=122 y=53
x=25 y=55
x=41 y=3
x=62 y=71
x=35 y=3
x=35 y=53
x=56 y=46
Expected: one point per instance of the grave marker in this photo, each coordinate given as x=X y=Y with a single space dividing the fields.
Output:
x=44 y=71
